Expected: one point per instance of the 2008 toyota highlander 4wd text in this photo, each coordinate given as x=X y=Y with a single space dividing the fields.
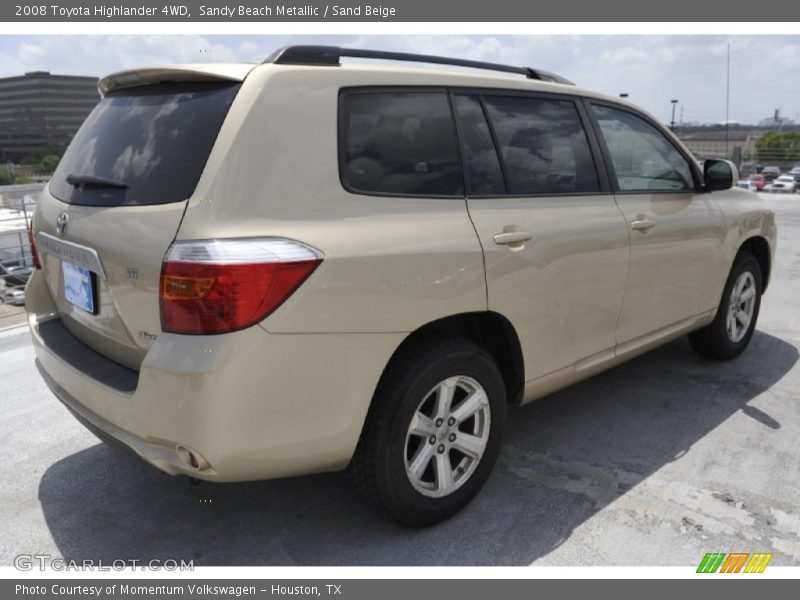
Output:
x=256 y=271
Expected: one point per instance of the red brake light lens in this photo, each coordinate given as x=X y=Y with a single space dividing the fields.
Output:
x=217 y=286
x=32 y=240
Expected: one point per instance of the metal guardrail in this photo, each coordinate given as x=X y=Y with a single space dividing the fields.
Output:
x=16 y=256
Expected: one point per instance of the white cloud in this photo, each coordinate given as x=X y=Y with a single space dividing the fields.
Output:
x=97 y=55
x=765 y=70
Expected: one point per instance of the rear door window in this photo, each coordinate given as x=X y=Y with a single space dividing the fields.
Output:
x=143 y=145
x=399 y=143
x=543 y=145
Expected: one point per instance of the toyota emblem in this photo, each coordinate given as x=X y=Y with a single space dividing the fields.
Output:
x=61 y=223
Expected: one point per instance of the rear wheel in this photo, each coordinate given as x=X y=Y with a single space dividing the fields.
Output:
x=729 y=333
x=434 y=432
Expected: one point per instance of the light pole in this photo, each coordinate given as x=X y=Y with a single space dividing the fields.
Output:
x=672 y=121
x=727 y=99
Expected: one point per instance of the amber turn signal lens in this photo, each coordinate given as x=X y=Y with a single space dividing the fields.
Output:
x=185 y=288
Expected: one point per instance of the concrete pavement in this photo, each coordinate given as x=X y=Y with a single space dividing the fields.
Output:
x=655 y=462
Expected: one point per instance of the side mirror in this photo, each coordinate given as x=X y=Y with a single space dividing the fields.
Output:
x=719 y=174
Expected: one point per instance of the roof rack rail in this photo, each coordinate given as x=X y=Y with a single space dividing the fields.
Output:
x=331 y=56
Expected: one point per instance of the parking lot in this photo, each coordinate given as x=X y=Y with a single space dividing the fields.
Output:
x=10 y=316
x=655 y=462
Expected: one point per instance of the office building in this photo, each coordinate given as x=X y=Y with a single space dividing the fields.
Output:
x=41 y=112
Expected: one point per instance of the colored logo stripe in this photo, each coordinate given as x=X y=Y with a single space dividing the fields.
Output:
x=734 y=562
x=758 y=563
x=711 y=562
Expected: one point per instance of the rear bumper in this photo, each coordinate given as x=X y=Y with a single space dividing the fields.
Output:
x=250 y=404
x=161 y=456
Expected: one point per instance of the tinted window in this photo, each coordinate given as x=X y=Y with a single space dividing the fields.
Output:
x=155 y=140
x=543 y=145
x=400 y=143
x=644 y=159
x=484 y=175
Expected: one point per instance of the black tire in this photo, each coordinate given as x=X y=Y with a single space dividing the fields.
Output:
x=713 y=341
x=378 y=468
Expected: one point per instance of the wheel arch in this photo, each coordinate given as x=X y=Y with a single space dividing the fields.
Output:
x=490 y=330
x=758 y=246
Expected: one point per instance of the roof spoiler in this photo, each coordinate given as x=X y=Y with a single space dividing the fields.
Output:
x=331 y=56
x=177 y=73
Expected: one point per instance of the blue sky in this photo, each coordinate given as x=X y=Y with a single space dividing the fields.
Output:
x=765 y=70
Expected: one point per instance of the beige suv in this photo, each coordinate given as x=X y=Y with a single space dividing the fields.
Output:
x=259 y=271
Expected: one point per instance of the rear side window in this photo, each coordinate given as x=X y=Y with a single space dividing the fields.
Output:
x=143 y=145
x=643 y=158
x=543 y=145
x=400 y=143
x=484 y=175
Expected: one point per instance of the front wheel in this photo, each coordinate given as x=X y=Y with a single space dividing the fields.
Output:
x=729 y=333
x=433 y=433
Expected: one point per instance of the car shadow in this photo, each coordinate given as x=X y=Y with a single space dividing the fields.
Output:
x=565 y=457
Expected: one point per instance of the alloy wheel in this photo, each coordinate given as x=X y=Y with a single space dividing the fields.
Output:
x=447 y=436
x=741 y=306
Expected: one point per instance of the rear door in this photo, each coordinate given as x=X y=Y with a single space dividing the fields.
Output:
x=555 y=243
x=114 y=206
x=676 y=229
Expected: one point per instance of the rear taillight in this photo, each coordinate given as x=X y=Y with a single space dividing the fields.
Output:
x=216 y=286
x=32 y=239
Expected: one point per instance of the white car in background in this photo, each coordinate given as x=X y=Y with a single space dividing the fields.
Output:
x=746 y=184
x=14 y=296
x=783 y=184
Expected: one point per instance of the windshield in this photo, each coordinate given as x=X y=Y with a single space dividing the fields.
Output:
x=145 y=145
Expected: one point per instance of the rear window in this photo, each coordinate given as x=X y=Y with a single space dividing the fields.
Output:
x=400 y=143
x=144 y=145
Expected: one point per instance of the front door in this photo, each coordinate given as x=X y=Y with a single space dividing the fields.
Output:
x=676 y=230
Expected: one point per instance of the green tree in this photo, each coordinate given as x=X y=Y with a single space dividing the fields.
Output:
x=779 y=147
x=36 y=157
x=49 y=163
x=5 y=177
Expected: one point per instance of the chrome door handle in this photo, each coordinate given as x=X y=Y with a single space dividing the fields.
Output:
x=642 y=224
x=509 y=238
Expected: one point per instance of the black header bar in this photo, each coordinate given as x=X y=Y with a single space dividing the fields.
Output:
x=491 y=11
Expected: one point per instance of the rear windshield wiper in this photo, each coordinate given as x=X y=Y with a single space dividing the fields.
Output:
x=93 y=180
